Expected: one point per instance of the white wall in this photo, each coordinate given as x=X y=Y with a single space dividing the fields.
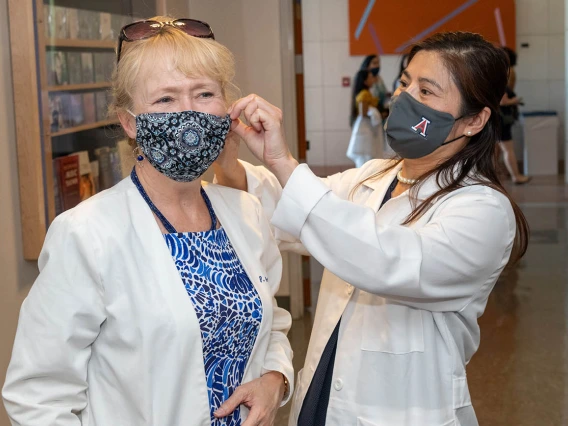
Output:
x=16 y=274
x=541 y=67
x=540 y=70
x=325 y=30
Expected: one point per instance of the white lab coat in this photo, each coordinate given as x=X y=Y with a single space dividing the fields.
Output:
x=408 y=296
x=108 y=335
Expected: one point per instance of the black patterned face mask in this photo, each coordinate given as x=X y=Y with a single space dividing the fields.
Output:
x=181 y=145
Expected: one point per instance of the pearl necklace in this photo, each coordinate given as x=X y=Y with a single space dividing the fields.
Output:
x=404 y=180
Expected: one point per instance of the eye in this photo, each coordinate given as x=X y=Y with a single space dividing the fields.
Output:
x=164 y=100
x=425 y=92
x=403 y=83
x=206 y=95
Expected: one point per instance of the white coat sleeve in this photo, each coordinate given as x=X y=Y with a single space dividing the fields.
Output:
x=279 y=353
x=437 y=267
x=263 y=185
x=46 y=382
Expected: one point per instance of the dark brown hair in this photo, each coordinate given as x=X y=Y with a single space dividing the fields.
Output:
x=480 y=71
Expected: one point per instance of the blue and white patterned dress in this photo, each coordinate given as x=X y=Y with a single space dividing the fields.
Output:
x=227 y=305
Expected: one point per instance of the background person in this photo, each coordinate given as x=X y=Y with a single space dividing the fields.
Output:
x=378 y=89
x=155 y=298
x=366 y=136
x=509 y=113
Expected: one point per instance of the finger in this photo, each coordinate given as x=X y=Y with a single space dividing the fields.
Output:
x=267 y=106
x=237 y=398
x=238 y=107
x=250 y=109
x=241 y=129
x=257 y=120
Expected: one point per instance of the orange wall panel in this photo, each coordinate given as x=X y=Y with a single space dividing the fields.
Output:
x=389 y=27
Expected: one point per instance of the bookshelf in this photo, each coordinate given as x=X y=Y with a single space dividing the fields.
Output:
x=83 y=44
x=83 y=127
x=41 y=87
x=78 y=87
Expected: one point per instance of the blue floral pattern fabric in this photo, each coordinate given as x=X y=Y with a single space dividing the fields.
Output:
x=228 y=308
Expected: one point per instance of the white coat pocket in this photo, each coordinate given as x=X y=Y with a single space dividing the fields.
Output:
x=393 y=329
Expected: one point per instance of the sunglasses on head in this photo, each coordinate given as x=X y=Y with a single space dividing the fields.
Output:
x=146 y=29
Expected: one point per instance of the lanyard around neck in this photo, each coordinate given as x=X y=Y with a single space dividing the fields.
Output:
x=167 y=225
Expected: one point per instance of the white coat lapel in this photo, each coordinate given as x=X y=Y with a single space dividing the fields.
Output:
x=158 y=270
x=380 y=187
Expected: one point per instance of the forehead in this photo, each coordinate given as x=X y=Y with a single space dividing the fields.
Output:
x=163 y=72
x=429 y=65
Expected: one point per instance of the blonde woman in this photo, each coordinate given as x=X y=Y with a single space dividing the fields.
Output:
x=154 y=303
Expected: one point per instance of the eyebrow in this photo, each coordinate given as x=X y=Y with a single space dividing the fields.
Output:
x=176 y=89
x=424 y=80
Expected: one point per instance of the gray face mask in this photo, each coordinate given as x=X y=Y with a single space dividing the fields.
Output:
x=414 y=130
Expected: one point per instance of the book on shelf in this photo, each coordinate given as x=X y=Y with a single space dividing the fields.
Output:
x=101 y=102
x=57 y=70
x=95 y=173
x=87 y=67
x=49 y=21
x=65 y=112
x=105 y=29
x=104 y=66
x=61 y=22
x=106 y=179
x=66 y=172
x=87 y=186
x=89 y=107
x=89 y=24
x=75 y=109
x=74 y=68
x=73 y=19
x=56 y=112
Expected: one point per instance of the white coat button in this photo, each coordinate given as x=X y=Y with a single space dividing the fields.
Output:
x=349 y=290
x=338 y=385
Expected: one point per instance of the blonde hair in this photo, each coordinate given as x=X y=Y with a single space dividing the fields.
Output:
x=191 y=56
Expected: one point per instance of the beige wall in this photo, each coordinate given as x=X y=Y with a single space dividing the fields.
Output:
x=16 y=274
x=251 y=29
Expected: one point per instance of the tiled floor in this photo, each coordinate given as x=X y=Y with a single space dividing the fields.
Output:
x=519 y=376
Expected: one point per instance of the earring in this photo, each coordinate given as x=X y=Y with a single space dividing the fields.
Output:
x=137 y=154
x=469 y=133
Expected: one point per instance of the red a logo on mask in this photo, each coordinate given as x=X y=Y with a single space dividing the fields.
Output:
x=421 y=127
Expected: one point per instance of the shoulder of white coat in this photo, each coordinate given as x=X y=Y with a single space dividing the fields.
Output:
x=235 y=199
x=103 y=206
x=356 y=176
x=480 y=195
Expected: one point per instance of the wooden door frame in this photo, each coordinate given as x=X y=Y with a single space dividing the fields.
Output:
x=292 y=262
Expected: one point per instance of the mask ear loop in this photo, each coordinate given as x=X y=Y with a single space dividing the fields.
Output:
x=459 y=137
x=137 y=152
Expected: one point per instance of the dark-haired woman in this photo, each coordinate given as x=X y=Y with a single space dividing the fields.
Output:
x=372 y=63
x=412 y=247
x=366 y=140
